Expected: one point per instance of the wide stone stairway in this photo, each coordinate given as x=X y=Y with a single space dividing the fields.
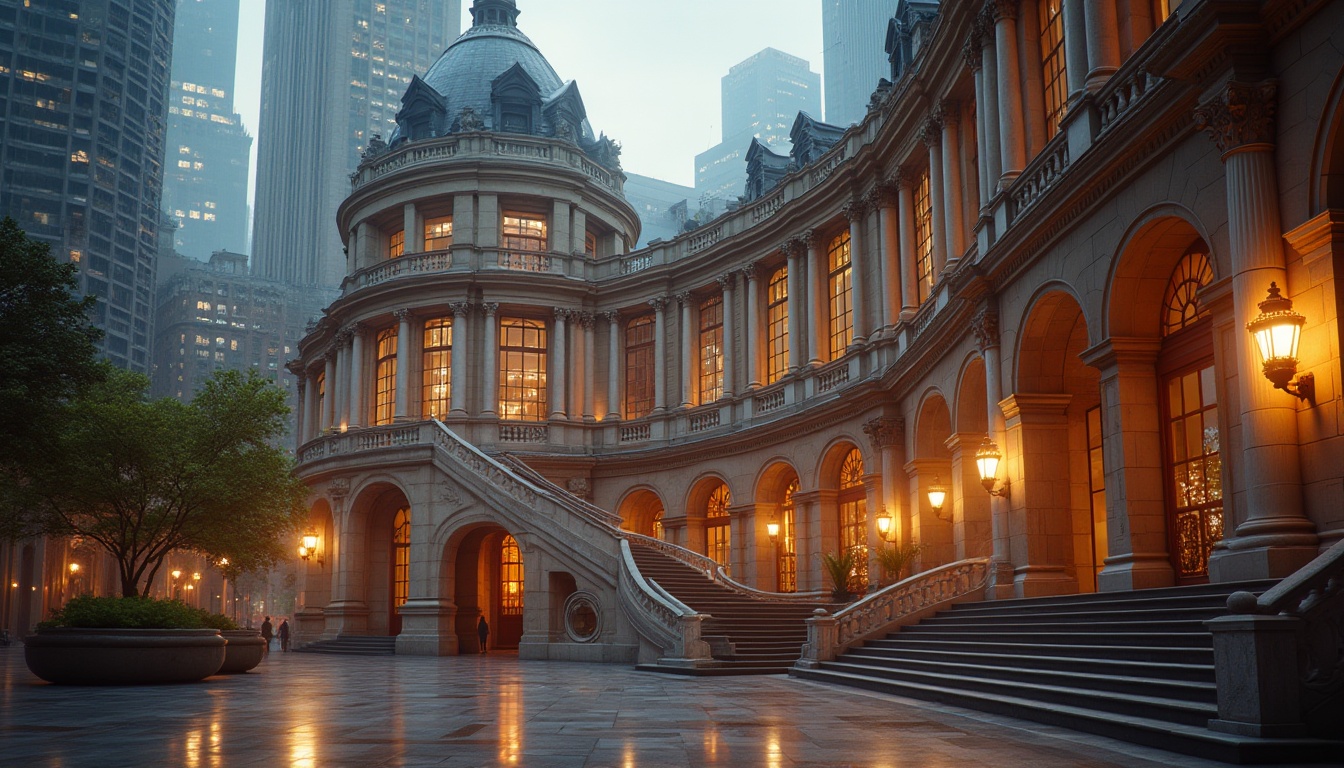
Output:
x=1136 y=666
x=354 y=645
x=748 y=636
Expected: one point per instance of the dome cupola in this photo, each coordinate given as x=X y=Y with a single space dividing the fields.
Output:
x=502 y=13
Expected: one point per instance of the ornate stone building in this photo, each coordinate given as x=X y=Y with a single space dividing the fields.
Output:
x=1044 y=243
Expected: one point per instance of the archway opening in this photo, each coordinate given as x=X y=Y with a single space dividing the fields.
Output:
x=488 y=573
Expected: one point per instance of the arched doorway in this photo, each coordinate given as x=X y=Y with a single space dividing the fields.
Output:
x=932 y=468
x=488 y=576
x=852 y=505
x=776 y=511
x=641 y=512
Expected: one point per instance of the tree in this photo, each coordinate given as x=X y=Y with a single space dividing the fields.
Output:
x=143 y=478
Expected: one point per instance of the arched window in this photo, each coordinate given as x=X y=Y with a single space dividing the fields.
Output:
x=385 y=386
x=320 y=392
x=659 y=532
x=438 y=233
x=437 y=379
x=711 y=349
x=777 y=325
x=842 y=308
x=923 y=238
x=786 y=560
x=510 y=578
x=522 y=369
x=1052 y=65
x=1192 y=461
x=639 y=367
x=718 y=527
x=396 y=244
x=401 y=557
x=854 y=514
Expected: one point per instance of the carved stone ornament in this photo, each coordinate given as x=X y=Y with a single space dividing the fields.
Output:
x=855 y=209
x=973 y=49
x=794 y=246
x=402 y=315
x=469 y=121
x=1240 y=114
x=447 y=495
x=339 y=488
x=751 y=271
x=985 y=326
x=612 y=316
x=885 y=431
x=931 y=132
x=460 y=308
x=579 y=487
x=659 y=303
x=562 y=314
x=585 y=319
x=686 y=297
x=489 y=308
x=726 y=281
x=1004 y=9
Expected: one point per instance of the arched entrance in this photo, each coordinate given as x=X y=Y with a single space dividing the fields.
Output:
x=488 y=574
x=641 y=512
x=777 y=511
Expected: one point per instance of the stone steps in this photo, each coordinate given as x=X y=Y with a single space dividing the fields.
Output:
x=353 y=645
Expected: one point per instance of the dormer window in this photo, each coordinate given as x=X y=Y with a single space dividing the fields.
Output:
x=517 y=101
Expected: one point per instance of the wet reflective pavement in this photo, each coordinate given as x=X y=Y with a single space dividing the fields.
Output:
x=312 y=711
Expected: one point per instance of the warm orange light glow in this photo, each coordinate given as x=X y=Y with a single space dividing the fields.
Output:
x=987 y=458
x=937 y=495
x=310 y=541
x=177 y=574
x=195 y=577
x=772 y=529
x=74 y=568
x=884 y=523
x=1277 y=332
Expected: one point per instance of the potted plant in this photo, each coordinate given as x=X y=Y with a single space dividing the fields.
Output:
x=126 y=641
x=839 y=567
x=897 y=558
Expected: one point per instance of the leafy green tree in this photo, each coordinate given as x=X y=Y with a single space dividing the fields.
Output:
x=144 y=478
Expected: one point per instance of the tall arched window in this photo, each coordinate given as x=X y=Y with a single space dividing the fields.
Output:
x=438 y=233
x=659 y=532
x=786 y=559
x=1052 y=65
x=842 y=308
x=522 y=369
x=436 y=385
x=401 y=558
x=923 y=238
x=396 y=244
x=1193 y=464
x=854 y=514
x=711 y=349
x=718 y=527
x=639 y=367
x=510 y=578
x=385 y=386
x=777 y=325
x=320 y=392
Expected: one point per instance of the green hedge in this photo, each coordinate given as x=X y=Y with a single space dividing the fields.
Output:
x=134 y=613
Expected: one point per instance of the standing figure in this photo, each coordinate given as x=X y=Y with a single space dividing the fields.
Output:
x=284 y=634
x=482 y=631
x=267 y=633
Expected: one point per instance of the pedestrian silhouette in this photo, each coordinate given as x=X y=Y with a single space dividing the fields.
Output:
x=267 y=633
x=483 y=632
x=283 y=633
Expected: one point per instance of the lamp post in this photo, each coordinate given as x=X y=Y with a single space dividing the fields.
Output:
x=1277 y=331
x=195 y=586
x=175 y=591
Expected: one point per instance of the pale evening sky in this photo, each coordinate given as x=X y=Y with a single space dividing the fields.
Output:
x=648 y=70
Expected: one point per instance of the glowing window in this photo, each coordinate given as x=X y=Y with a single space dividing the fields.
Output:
x=854 y=515
x=1180 y=305
x=842 y=309
x=385 y=385
x=510 y=578
x=438 y=233
x=923 y=238
x=711 y=349
x=639 y=367
x=786 y=561
x=524 y=232
x=777 y=326
x=1052 y=65
x=401 y=557
x=396 y=244
x=522 y=370
x=718 y=526
x=437 y=383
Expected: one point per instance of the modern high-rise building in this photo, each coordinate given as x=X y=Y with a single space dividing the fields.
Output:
x=82 y=107
x=332 y=78
x=853 y=34
x=761 y=97
x=207 y=155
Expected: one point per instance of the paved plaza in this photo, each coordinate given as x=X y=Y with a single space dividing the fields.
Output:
x=312 y=711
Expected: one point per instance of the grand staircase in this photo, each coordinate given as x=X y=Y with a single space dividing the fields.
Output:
x=353 y=645
x=1136 y=666
x=748 y=636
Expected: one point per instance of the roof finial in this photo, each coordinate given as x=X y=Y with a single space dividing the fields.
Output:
x=503 y=13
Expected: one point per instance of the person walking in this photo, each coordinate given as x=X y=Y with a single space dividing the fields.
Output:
x=482 y=631
x=283 y=633
x=267 y=632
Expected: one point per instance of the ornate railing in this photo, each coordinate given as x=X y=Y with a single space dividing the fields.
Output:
x=766 y=208
x=359 y=440
x=637 y=433
x=562 y=496
x=702 y=240
x=1132 y=84
x=414 y=264
x=1041 y=174
x=524 y=433
x=491 y=470
x=828 y=380
x=412 y=154
x=636 y=264
x=525 y=261
x=659 y=618
x=891 y=607
x=715 y=572
x=768 y=401
x=702 y=421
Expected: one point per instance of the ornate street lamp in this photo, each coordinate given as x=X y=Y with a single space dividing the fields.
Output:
x=772 y=529
x=1277 y=332
x=884 y=527
x=937 y=496
x=987 y=458
x=308 y=548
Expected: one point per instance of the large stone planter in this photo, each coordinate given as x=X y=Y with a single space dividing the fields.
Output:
x=78 y=656
x=244 y=651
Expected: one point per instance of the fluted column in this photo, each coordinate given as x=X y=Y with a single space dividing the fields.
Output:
x=359 y=410
x=1103 y=43
x=931 y=133
x=888 y=199
x=659 y=305
x=1276 y=536
x=985 y=326
x=905 y=185
x=972 y=52
x=457 y=394
x=403 y=386
x=1075 y=47
x=754 y=352
x=490 y=354
x=614 y=366
x=991 y=138
x=728 y=283
x=687 y=356
x=588 y=322
x=954 y=217
x=559 y=370
x=329 y=376
x=819 y=313
x=856 y=211
x=1011 y=136
x=342 y=383
x=301 y=412
x=794 y=250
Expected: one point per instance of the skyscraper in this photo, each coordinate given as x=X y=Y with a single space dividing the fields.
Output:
x=853 y=59
x=82 y=112
x=206 y=162
x=333 y=76
x=761 y=97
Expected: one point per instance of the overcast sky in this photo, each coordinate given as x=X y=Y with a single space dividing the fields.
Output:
x=648 y=70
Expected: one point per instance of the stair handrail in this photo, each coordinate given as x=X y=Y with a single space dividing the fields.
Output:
x=659 y=617
x=829 y=635
x=817 y=596
x=1299 y=593
x=561 y=496
x=712 y=570
x=486 y=466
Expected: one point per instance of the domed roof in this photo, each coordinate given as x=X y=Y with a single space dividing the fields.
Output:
x=464 y=72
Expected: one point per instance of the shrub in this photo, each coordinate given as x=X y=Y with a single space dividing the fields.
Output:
x=895 y=559
x=839 y=567
x=134 y=613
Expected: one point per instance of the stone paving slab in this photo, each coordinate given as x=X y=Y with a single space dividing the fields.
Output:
x=315 y=711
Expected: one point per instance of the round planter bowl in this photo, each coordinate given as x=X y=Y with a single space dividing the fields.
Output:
x=244 y=650
x=79 y=656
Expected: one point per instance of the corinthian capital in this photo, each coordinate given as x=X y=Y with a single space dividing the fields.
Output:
x=885 y=431
x=1003 y=9
x=855 y=209
x=985 y=326
x=659 y=303
x=1239 y=114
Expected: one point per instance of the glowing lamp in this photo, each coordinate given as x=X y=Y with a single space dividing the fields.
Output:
x=74 y=568
x=1277 y=332
x=884 y=526
x=177 y=573
x=937 y=496
x=772 y=530
x=987 y=458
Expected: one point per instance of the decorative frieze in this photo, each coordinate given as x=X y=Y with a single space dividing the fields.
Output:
x=1239 y=114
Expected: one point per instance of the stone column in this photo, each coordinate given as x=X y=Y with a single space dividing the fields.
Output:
x=931 y=134
x=972 y=51
x=457 y=393
x=887 y=435
x=359 y=410
x=819 y=313
x=1039 y=536
x=559 y=369
x=986 y=329
x=991 y=139
x=1033 y=84
x=905 y=184
x=1103 y=43
x=892 y=282
x=588 y=322
x=342 y=383
x=931 y=528
x=687 y=356
x=403 y=384
x=856 y=211
x=301 y=412
x=954 y=217
x=1276 y=537
x=727 y=283
x=659 y=305
x=312 y=422
x=794 y=250
x=329 y=377
x=1011 y=136
x=413 y=241
x=755 y=341
x=614 y=366
x=1075 y=47
x=490 y=361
